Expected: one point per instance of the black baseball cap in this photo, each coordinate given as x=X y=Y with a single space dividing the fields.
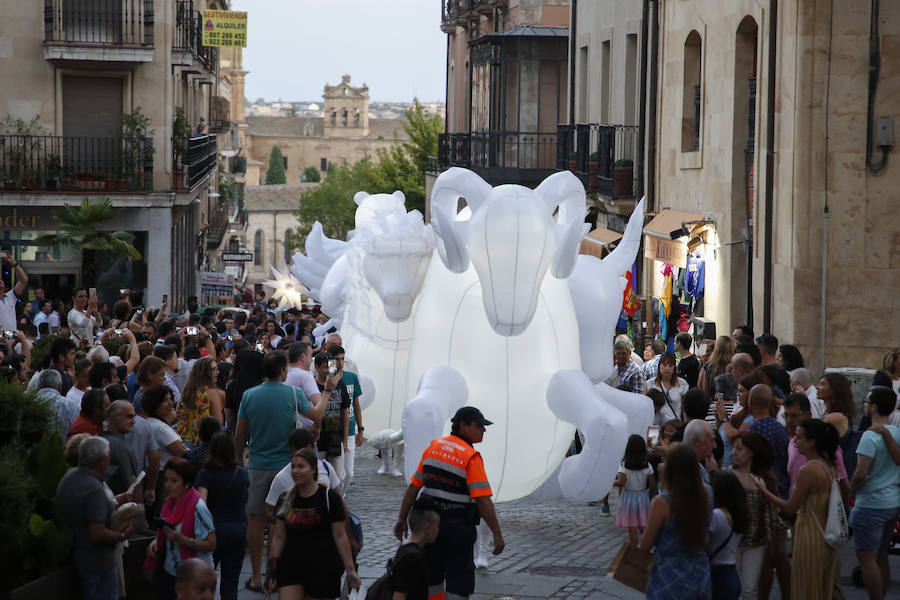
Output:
x=470 y=414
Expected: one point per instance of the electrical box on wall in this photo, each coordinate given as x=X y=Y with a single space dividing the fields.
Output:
x=884 y=132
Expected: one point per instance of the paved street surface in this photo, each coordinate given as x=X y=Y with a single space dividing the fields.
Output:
x=554 y=549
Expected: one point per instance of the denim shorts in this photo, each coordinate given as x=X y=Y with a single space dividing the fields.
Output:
x=872 y=527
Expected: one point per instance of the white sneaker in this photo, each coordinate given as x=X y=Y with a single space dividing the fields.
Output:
x=481 y=563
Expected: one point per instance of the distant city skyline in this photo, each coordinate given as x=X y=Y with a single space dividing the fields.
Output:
x=294 y=49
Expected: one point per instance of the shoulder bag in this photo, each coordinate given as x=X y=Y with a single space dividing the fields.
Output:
x=837 y=530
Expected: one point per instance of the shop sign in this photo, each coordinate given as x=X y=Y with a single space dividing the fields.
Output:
x=237 y=256
x=15 y=220
x=667 y=251
x=224 y=28
x=216 y=284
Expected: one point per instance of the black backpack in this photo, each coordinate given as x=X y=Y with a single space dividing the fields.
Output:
x=381 y=589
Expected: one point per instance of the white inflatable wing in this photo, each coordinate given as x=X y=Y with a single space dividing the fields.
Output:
x=588 y=476
x=426 y=417
x=637 y=408
x=368 y=392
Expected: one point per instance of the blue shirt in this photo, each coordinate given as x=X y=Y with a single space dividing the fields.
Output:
x=203 y=526
x=775 y=432
x=271 y=411
x=879 y=490
x=227 y=491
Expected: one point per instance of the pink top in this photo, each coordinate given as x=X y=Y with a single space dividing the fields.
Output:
x=797 y=460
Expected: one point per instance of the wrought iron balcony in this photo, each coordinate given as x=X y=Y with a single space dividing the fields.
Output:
x=200 y=159
x=68 y=163
x=457 y=12
x=189 y=35
x=602 y=156
x=219 y=216
x=220 y=115
x=524 y=157
x=114 y=30
x=237 y=165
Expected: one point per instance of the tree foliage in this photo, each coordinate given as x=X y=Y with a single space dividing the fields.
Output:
x=275 y=172
x=401 y=167
x=311 y=175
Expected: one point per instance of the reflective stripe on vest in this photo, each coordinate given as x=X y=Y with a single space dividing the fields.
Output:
x=444 y=465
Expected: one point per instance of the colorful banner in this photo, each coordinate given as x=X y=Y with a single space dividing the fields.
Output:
x=224 y=28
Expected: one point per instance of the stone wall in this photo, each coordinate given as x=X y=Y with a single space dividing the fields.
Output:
x=303 y=152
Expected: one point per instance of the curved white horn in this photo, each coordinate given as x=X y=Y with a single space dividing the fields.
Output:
x=568 y=241
x=456 y=183
x=622 y=258
x=566 y=191
x=450 y=238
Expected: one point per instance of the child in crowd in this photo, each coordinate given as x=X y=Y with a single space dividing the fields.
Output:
x=635 y=480
x=669 y=430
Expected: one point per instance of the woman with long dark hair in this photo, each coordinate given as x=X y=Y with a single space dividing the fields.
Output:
x=814 y=561
x=247 y=373
x=752 y=456
x=729 y=521
x=201 y=398
x=224 y=484
x=789 y=358
x=669 y=383
x=834 y=390
x=676 y=527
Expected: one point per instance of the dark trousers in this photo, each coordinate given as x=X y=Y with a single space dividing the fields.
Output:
x=231 y=545
x=165 y=585
x=726 y=583
x=450 y=557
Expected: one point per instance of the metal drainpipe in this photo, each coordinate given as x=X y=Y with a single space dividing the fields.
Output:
x=650 y=192
x=638 y=277
x=573 y=24
x=770 y=167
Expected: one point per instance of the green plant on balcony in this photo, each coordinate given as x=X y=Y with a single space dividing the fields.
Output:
x=138 y=148
x=181 y=129
x=53 y=170
x=19 y=150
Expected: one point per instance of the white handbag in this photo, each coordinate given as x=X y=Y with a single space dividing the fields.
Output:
x=837 y=530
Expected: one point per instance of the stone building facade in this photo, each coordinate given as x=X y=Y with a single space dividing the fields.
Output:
x=824 y=250
x=79 y=74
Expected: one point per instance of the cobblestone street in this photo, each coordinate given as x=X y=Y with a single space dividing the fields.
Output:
x=554 y=549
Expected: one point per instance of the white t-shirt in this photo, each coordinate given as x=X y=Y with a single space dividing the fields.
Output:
x=81 y=326
x=305 y=382
x=673 y=397
x=636 y=480
x=283 y=481
x=75 y=395
x=41 y=317
x=164 y=435
x=8 y=311
x=816 y=404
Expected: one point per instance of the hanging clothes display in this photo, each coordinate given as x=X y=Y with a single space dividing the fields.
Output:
x=696 y=274
x=665 y=301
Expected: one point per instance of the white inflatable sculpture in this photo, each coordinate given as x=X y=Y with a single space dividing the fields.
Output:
x=529 y=350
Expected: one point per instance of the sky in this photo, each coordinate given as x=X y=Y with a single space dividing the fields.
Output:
x=294 y=47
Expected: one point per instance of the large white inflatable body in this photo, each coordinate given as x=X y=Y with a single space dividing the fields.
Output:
x=507 y=315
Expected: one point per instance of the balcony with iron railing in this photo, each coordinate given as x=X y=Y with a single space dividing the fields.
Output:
x=523 y=157
x=200 y=159
x=237 y=165
x=188 y=38
x=219 y=218
x=76 y=164
x=458 y=12
x=602 y=156
x=99 y=30
x=219 y=115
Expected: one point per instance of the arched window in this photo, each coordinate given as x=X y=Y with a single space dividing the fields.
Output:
x=692 y=93
x=344 y=118
x=257 y=248
x=333 y=118
x=287 y=247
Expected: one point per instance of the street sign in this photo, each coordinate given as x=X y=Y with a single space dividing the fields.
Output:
x=216 y=284
x=224 y=28
x=237 y=256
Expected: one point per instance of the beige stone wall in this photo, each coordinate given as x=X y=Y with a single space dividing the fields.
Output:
x=863 y=253
x=612 y=100
x=303 y=152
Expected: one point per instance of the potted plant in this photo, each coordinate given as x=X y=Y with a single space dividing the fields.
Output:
x=594 y=170
x=180 y=132
x=52 y=172
x=623 y=178
x=137 y=148
x=20 y=151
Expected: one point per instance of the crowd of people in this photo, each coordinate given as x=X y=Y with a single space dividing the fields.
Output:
x=232 y=423
x=757 y=463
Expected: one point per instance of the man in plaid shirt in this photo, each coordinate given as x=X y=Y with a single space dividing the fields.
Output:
x=630 y=374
